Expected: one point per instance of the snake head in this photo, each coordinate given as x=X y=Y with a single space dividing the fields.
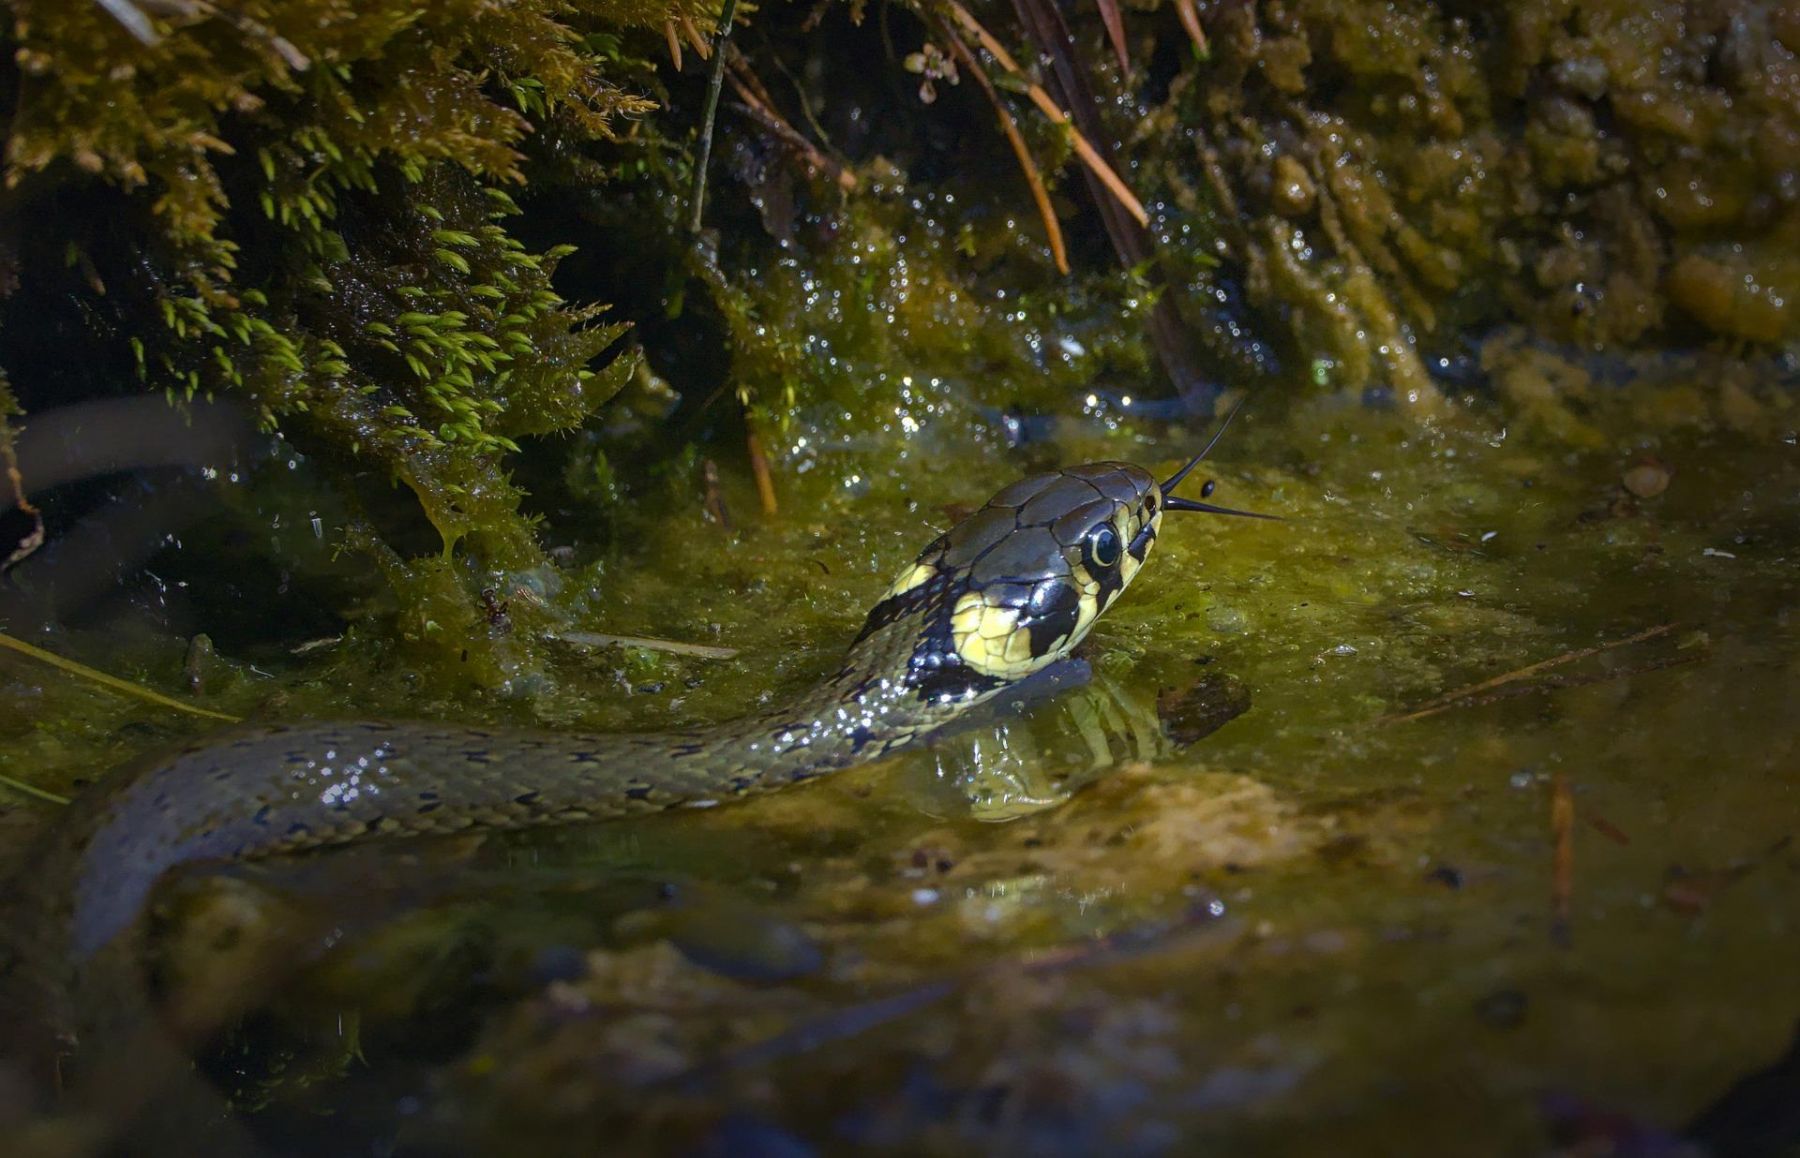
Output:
x=1017 y=585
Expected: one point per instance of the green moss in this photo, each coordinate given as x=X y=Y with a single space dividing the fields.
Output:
x=317 y=223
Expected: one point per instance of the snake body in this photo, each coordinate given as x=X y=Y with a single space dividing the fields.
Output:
x=1009 y=591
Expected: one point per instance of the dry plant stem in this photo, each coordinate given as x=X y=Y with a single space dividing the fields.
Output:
x=1083 y=148
x=1554 y=661
x=806 y=111
x=1114 y=185
x=1608 y=829
x=745 y=77
x=113 y=683
x=697 y=206
x=1562 y=857
x=1125 y=229
x=1190 y=21
x=1449 y=699
x=815 y=160
x=759 y=469
x=757 y=107
x=741 y=71
x=1040 y=195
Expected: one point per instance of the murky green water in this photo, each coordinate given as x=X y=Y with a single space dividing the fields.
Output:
x=1322 y=927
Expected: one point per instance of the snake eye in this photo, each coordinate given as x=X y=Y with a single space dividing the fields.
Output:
x=1103 y=546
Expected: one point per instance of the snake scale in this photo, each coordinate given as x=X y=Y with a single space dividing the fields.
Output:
x=1006 y=593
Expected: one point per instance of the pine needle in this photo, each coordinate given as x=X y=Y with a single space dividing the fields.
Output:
x=124 y=687
x=32 y=790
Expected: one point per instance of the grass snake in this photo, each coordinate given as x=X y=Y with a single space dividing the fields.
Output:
x=1008 y=592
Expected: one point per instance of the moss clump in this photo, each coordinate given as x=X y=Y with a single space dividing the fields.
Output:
x=302 y=204
x=1606 y=173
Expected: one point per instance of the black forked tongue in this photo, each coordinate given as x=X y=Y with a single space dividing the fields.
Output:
x=1177 y=503
x=1174 y=503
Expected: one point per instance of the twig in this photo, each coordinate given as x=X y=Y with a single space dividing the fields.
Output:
x=743 y=73
x=1041 y=196
x=1554 y=661
x=674 y=647
x=1083 y=148
x=762 y=104
x=697 y=208
x=113 y=682
x=1448 y=699
x=758 y=110
x=1562 y=858
x=812 y=122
